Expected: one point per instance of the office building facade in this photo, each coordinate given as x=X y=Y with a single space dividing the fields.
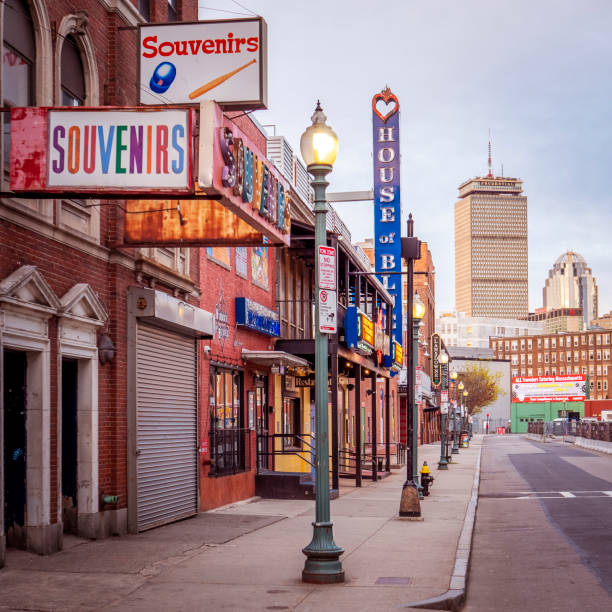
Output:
x=491 y=250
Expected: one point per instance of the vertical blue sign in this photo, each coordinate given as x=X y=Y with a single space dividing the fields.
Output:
x=387 y=206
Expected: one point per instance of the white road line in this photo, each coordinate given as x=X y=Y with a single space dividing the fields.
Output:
x=566 y=494
x=607 y=493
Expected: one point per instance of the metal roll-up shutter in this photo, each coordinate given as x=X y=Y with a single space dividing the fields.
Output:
x=166 y=427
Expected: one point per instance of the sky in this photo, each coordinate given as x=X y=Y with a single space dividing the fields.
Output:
x=534 y=73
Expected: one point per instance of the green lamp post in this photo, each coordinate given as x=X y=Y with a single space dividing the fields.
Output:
x=443 y=463
x=464 y=412
x=460 y=387
x=418 y=312
x=319 y=147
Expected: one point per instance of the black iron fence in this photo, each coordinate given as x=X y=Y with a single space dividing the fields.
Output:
x=584 y=429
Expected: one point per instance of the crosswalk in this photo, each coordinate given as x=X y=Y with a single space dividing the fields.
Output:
x=551 y=495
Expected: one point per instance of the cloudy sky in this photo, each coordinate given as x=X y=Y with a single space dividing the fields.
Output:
x=534 y=72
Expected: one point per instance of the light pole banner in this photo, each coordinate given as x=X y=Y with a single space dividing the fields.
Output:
x=387 y=205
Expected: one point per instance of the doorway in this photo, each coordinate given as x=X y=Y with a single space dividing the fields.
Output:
x=70 y=368
x=14 y=372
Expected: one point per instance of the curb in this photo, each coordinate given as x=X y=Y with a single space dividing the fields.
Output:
x=454 y=598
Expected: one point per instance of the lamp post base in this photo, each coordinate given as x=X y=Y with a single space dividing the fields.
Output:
x=323 y=565
x=410 y=506
x=443 y=463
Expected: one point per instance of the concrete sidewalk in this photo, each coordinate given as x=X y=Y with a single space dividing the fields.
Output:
x=248 y=556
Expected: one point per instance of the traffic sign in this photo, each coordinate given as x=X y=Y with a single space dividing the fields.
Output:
x=327 y=268
x=328 y=316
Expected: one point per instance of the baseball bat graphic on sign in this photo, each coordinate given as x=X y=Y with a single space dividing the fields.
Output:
x=212 y=84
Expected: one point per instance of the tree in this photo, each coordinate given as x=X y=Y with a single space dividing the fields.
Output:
x=482 y=386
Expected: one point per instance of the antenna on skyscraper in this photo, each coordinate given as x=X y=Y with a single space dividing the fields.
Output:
x=490 y=175
x=502 y=170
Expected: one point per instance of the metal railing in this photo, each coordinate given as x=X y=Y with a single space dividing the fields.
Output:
x=298 y=445
x=230 y=451
x=584 y=429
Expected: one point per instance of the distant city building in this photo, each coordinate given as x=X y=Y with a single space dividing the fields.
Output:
x=558 y=319
x=458 y=329
x=570 y=284
x=561 y=354
x=605 y=321
x=491 y=248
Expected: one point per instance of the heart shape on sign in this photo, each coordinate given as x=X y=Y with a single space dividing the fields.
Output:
x=388 y=98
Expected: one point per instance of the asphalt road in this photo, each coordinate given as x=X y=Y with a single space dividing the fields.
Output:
x=543 y=533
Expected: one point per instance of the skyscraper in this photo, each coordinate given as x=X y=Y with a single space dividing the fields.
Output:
x=491 y=247
x=570 y=284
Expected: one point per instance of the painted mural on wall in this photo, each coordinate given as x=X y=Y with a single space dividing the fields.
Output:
x=259 y=266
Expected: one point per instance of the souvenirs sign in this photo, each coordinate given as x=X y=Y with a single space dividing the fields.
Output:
x=185 y=63
x=387 y=204
x=94 y=150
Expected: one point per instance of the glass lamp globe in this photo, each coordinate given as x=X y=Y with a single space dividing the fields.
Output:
x=465 y=394
x=319 y=143
x=454 y=374
x=460 y=386
x=443 y=358
x=418 y=308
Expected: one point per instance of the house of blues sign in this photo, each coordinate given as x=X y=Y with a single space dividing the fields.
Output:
x=387 y=209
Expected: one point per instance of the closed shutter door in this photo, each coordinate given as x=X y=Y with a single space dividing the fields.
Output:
x=167 y=427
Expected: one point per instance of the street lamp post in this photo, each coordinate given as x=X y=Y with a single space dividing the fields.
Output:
x=465 y=412
x=455 y=450
x=319 y=147
x=443 y=463
x=418 y=312
x=453 y=398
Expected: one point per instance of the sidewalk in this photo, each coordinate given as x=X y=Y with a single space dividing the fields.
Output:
x=248 y=556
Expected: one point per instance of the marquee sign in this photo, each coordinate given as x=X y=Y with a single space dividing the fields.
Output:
x=395 y=360
x=358 y=331
x=222 y=60
x=231 y=166
x=571 y=388
x=387 y=204
x=101 y=150
x=436 y=365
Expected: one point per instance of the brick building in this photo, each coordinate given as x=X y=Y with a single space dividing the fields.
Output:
x=586 y=352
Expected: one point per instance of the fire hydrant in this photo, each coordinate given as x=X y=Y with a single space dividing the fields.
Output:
x=426 y=479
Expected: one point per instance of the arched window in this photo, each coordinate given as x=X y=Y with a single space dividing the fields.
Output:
x=72 y=74
x=18 y=57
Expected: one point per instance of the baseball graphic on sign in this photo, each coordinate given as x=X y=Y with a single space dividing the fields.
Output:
x=163 y=76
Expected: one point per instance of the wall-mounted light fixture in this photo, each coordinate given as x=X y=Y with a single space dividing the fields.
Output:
x=106 y=349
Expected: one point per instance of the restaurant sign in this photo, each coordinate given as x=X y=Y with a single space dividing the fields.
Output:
x=101 y=150
x=358 y=331
x=257 y=317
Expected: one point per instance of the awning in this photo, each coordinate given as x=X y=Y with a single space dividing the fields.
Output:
x=270 y=358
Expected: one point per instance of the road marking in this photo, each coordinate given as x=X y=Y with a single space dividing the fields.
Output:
x=566 y=494
x=607 y=493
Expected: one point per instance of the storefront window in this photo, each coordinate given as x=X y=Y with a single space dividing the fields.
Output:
x=229 y=437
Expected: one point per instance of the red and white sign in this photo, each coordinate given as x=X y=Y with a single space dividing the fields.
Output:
x=571 y=388
x=327 y=268
x=328 y=315
x=444 y=401
x=186 y=63
x=501 y=431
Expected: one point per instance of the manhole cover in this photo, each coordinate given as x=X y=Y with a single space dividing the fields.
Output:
x=274 y=591
x=393 y=580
